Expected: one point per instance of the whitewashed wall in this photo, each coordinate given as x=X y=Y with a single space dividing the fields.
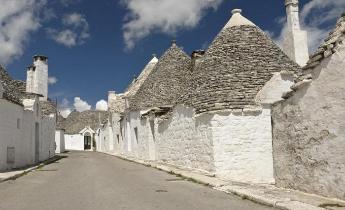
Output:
x=60 y=141
x=74 y=142
x=10 y=136
x=243 y=146
x=17 y=130
x=309 y=132
x=185 y=140
x=47 y=140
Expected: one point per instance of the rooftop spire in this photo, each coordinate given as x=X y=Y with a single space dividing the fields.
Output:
x=154 y=59
x=296 y=41
x=238 y=20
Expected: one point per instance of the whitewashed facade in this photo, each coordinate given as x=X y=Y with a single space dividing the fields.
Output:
x=27 y=125
x=233 y=144
x=83 y=141
x=60 y=141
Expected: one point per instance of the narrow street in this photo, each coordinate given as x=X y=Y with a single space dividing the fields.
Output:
x=86 y=180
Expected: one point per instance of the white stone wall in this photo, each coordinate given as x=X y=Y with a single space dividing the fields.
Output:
x=17 y=130
x=11 y=136
x=60 y=141
x=186 y=141
x=309 y=132
x=243 y=146
x=47 y=140
x=74 y=142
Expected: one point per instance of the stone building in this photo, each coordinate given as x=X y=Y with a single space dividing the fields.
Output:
x=81 y=129
x=211 y=112
x=309 y=126
x=27 y=123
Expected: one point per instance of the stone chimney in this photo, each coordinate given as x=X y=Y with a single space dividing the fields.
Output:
x=296 y=41
x=196 y=55
x=37 y=77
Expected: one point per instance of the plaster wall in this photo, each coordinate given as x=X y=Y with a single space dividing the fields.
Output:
x=138 y=136
x=17 y=131
x=186 y=140
x=11 y=136
x=243 y=146
x=60 y=141
x=309 y=132
x=74 y=142
x=47 y=140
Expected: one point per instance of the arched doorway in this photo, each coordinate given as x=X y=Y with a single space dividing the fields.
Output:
x=87 y=141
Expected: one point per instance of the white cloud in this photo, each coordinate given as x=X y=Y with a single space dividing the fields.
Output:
x=318 y=19
x=81 y=105
x=65 y=112
x=75 y=31
x=102 y=105
x=67 y=3
x=52 y=80
x=64 y=108
x=166 y=16
x=18 y=20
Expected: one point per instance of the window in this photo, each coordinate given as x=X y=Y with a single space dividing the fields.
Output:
x=18 y=123
x=136 y=134
x=118 y=139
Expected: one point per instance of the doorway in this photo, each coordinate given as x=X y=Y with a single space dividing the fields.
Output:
x=87 y=141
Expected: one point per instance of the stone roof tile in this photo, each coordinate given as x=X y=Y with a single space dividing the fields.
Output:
x=167 y=82
x=77 y=121
x=330 y=45
x=237 y=65
x=13 y=89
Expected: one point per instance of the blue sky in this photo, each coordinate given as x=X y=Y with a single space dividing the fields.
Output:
x=97 y=46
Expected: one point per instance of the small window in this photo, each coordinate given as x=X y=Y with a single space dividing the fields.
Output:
x=136 y=134
x=18 y=123
x=118 y=139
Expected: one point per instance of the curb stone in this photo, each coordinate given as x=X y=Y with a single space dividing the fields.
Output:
x=26 y=171
x=217 y=184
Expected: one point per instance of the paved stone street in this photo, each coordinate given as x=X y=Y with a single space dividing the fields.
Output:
x=86 y=180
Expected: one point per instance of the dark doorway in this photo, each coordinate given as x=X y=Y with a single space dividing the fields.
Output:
x=87 y=141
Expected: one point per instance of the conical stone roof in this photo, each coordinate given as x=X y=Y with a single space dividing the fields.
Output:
x=237 y=65
x=166 y=83
x=13 y=89
x=77 y=121
x=136 y=84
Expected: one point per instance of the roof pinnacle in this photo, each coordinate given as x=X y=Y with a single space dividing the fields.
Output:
x=235 y=11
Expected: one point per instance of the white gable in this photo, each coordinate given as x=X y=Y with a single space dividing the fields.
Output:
x=87 y=129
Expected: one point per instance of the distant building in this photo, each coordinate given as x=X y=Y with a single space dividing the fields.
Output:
x=80 y=129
